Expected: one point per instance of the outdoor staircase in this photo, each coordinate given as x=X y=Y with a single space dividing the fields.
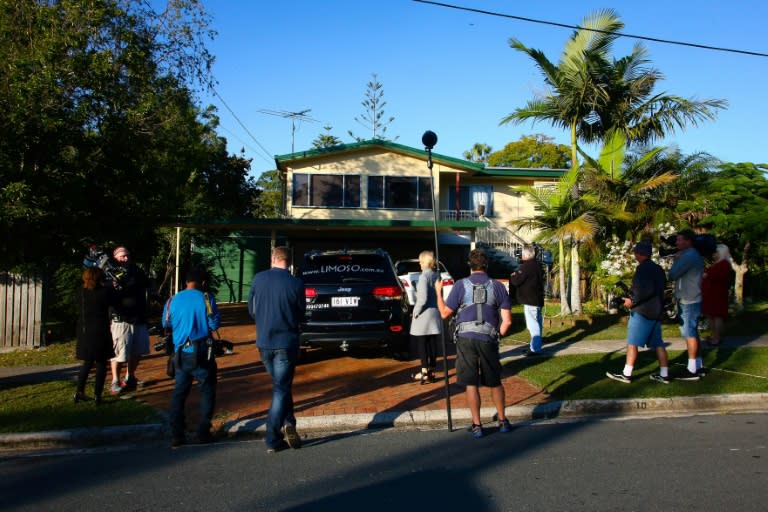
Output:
x=501 y=244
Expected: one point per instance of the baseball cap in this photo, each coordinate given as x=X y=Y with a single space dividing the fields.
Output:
x=644 y=248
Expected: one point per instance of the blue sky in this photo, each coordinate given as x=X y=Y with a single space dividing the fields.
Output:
x=453 y=72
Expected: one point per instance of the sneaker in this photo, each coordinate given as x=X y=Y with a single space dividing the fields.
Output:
x=282 y=445
x=619 y=377
x=476 y=431
x=130 y=383
x=504 y=426
x=702 y=372
x=687 y=375
x=292 y=437
x=115 y=388
x=658 y=378
x=530 y=353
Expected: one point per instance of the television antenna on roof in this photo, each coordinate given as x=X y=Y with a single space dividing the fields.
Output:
x=301 y=115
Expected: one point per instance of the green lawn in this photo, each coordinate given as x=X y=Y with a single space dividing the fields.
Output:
x=49 y=406
x=577 y=377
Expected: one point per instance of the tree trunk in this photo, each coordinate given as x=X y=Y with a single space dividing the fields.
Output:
x=575 y=279
x=564 y=308
x=740 y=269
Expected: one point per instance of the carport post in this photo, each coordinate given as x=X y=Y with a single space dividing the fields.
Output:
x=429 y=139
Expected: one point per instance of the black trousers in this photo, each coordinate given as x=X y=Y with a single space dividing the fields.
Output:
x=427 y=347
x=101 y=375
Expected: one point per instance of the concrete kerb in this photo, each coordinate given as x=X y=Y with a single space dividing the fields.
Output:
x=84 y=437
x=413 y=420
x=565 y=409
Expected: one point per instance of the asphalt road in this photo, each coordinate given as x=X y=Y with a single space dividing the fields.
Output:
x=697 y=463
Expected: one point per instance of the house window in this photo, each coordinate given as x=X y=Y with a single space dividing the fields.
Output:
x=399 y=192
x=326 y=190
x=472 y=196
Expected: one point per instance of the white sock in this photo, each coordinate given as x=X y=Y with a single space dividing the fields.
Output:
x=664 y=371
x=692 y=365
x=628 y=370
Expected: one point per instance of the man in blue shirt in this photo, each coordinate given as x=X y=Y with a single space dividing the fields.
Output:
x=483 y=315
x=276 y=301
x=192 y=315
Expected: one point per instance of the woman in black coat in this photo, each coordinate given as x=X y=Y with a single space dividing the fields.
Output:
x=94 y=339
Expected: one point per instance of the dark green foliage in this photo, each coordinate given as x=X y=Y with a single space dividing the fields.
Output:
x=532 y=151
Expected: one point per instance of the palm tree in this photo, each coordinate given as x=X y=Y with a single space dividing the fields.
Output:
x=479 y=153
x=628 y=195
x=561 y=216
x=592 y=95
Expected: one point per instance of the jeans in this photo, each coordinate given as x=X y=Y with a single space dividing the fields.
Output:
x=188 y=369
x=281 y=366
x=689 y=314
x=533 y=322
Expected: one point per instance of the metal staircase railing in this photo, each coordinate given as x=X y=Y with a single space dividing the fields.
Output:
x=500 y=237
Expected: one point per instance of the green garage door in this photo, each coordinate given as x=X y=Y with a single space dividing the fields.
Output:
x=233 y=262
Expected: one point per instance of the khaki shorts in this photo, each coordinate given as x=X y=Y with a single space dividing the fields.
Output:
x=129 y=340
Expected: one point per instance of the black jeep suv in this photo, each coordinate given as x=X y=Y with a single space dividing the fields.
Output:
x=354 y=298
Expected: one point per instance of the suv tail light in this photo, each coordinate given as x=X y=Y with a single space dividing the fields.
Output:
x=310 y=293
x=387 y=293
x=447 y=282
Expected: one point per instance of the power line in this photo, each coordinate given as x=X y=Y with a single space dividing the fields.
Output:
x=577 y=27
x=242 y=125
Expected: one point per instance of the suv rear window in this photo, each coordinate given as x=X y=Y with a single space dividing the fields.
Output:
x=346 y=268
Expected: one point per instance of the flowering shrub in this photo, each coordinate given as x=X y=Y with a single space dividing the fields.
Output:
x=619 y=263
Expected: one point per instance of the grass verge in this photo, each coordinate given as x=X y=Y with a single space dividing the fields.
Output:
x=49 y=406
x=580 y=377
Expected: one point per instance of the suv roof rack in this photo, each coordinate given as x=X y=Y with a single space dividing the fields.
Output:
x=322 y=252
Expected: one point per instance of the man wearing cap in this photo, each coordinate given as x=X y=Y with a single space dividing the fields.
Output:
x=129 y=321
x=192 y=315
x=646 y=305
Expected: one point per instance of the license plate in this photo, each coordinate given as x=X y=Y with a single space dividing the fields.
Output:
x=344 y=302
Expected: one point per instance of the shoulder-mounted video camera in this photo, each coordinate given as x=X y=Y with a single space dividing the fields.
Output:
x=705 y=244
x=96 y=258
x=541 y=255
x=618 y=301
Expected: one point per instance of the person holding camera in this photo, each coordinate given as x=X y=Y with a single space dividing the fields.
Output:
x=529 y=283
x=646 y=305
x=686 y=271
x=277 y=302
x=483 y=316
x=192 y=315
x=130 y=335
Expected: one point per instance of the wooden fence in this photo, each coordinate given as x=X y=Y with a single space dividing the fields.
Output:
x=21 y=306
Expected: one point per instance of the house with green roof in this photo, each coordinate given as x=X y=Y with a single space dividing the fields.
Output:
x=378 y=193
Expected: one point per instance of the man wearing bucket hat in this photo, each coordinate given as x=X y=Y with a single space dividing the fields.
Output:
x=646 y=305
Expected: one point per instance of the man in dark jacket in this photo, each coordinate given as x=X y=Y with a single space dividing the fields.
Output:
x=276 y=301
x=646 y=305
x=529 y=282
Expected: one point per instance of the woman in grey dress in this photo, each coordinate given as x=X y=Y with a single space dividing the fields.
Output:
x=426 y=323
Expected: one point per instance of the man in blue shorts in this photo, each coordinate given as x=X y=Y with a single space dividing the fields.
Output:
x=483 y=316
x=646 y=305
x=686 y=271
